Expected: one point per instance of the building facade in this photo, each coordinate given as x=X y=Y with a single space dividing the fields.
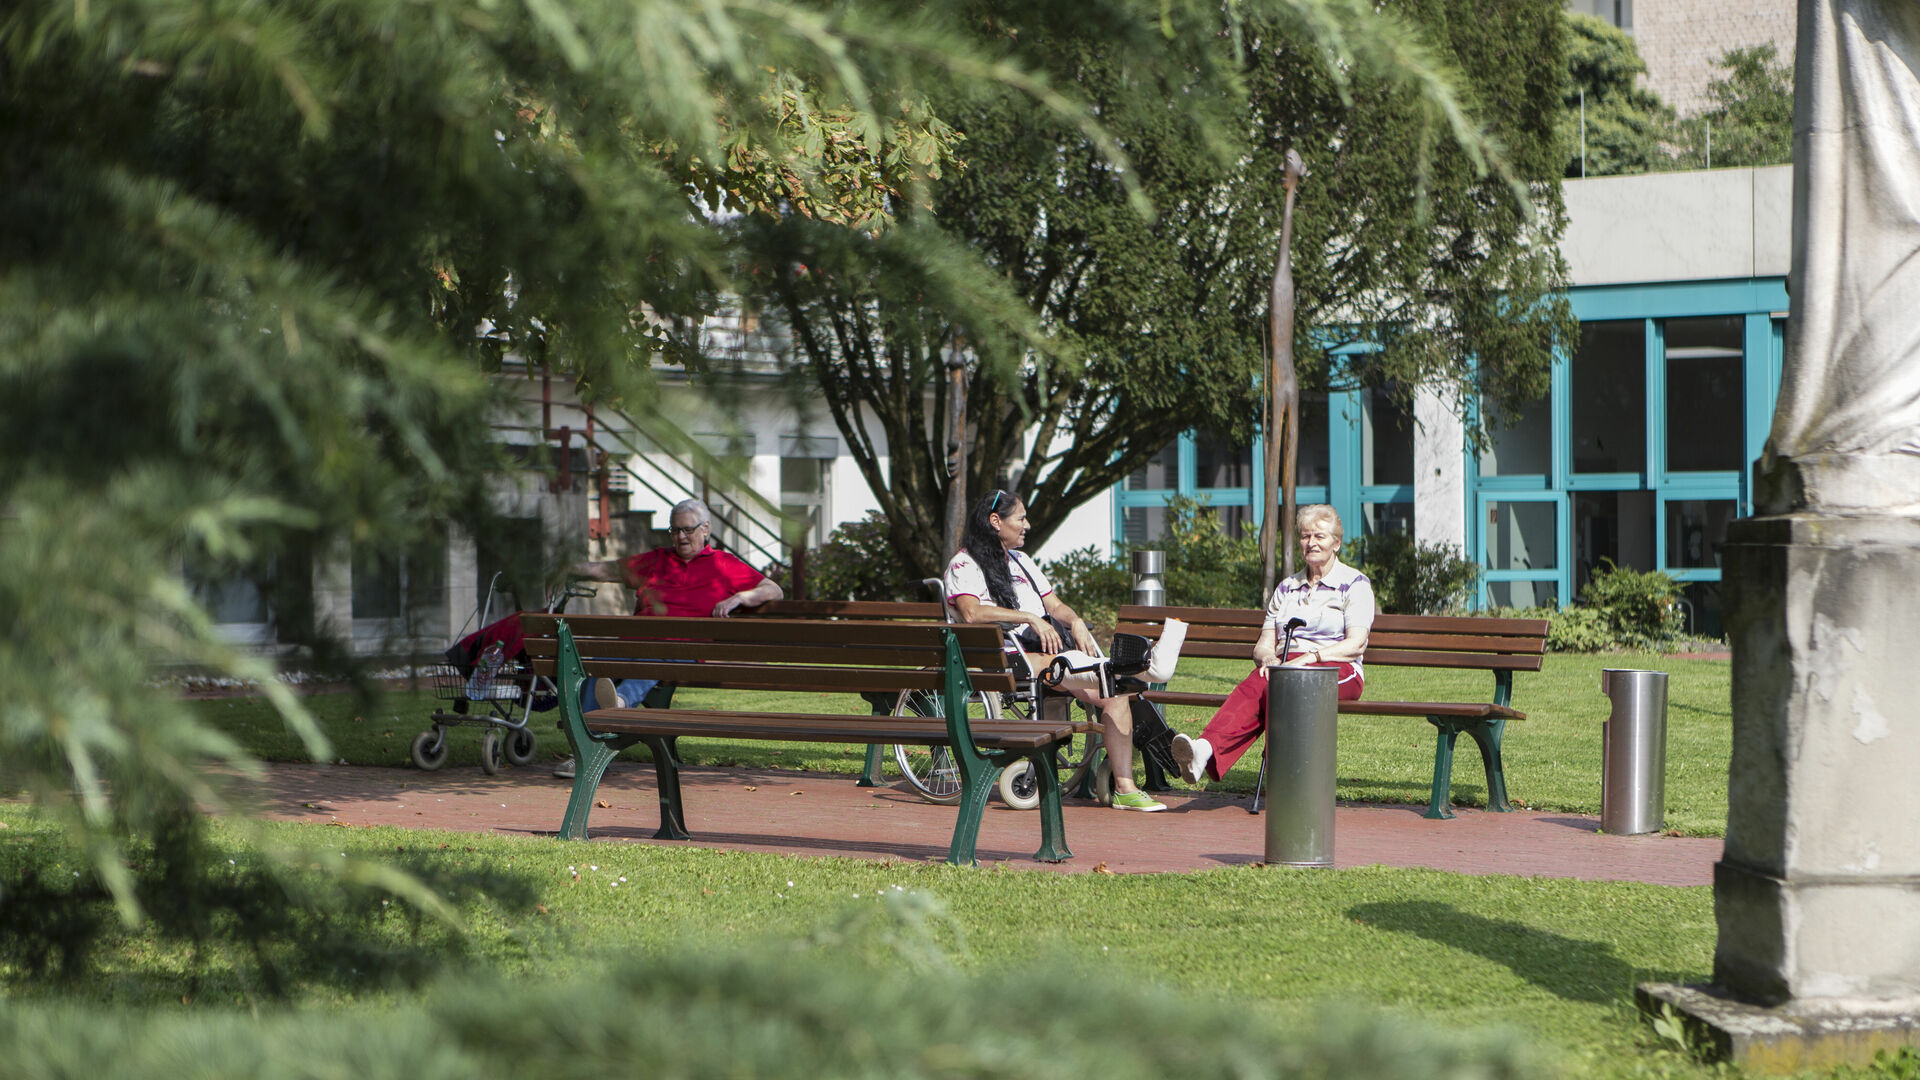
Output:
x=1642 y=450
x=1641 y=453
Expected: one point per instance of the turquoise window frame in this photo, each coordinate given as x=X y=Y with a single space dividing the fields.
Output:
x=1762 y=303
x=1343 y=490
x=1560 y=573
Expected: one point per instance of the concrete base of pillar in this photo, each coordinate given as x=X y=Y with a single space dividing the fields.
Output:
x=1775 y=1039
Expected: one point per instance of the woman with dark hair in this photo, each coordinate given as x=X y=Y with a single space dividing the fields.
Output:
x=991 y=580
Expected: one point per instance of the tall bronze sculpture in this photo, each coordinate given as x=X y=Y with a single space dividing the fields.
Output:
x=1283 y=401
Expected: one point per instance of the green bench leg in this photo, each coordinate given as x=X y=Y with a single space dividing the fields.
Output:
x=590 y=764
x=1053 y=828
x=1438 y=806
x=1488 y=736
x=666 y=769
x=880 y=704
x=870 y=772
x=976 y=787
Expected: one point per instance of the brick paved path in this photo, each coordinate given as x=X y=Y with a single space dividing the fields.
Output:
x=820 y=814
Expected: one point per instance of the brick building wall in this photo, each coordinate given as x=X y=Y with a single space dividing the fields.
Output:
x=1681 y=39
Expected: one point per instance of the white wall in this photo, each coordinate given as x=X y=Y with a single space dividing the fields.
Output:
x=1681 y=226
x=1090 y=525
x=1439 y=481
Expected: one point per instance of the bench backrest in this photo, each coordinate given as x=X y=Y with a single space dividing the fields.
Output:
x=850 y=656
x=1442 y=641
x=869 y=610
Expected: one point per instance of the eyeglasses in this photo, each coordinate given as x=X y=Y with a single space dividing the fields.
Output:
x=685 y=530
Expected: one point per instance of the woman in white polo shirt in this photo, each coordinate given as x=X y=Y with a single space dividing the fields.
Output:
x=991 y=580
x=1336 y=602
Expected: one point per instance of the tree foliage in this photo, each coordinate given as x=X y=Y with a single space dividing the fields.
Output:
x=1629 y=130
x=261 y=259
x=262 y=256
x=1752 y=115
x=1152 y=324
x=1626 y=125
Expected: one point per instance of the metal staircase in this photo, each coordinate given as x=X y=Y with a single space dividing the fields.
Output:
x=599 y=454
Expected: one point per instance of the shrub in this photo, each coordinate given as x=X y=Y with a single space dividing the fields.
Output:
x=1641 y=607
x=1570 y=629
x=1413 y=578
x=858 y=562
x=1094 y=586
x=1619 y=610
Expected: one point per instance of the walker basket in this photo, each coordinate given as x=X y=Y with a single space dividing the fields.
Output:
x=507 y=684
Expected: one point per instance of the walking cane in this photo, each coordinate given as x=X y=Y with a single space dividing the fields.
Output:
x=1286 y=646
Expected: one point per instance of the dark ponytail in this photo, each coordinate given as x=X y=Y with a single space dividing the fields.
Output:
x=983 y=543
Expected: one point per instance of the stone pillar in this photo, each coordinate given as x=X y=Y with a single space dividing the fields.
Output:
x=1817 y=897
x=1818 y=894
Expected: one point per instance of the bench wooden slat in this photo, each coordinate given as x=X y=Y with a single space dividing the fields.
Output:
x=766 y=631
x=874 y=656
x=1467 y=625
x=820 y=727
x=1401 y=639
x=1363 y=707
x=1399 y=651
x=1469 y=661
x=790 y=677
x=848 y=609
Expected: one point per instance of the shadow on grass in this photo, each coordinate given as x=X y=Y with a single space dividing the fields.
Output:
x=1569 y=968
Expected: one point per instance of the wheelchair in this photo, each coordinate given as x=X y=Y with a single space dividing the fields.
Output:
x=1084 y=769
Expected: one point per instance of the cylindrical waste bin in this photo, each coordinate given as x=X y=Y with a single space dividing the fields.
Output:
x=1302 y=719
x=1633 y=752
x=1148 y=588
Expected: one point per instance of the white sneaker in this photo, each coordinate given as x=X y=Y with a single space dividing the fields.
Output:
x=564 y=770
x=1192 y=755
x=606 y=695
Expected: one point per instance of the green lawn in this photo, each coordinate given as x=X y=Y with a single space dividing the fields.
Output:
x=1553 y=961
x=1553 y=756
x=1556 y=960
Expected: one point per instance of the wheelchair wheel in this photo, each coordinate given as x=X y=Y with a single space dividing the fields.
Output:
x=930 y=770
x=1020 y=787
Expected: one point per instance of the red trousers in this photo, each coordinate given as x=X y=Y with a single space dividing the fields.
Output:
x=1243 y=716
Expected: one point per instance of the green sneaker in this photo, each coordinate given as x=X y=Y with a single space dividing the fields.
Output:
x=1137 y=800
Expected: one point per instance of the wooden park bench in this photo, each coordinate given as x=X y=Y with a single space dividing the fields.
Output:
x=851 y=657
x=1501 y=646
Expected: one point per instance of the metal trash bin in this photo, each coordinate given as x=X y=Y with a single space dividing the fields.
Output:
x=1303 y=706
x=1149 y=590
x=1633 y=752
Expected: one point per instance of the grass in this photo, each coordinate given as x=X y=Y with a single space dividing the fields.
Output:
x=1552 y=757
x=1554 y=959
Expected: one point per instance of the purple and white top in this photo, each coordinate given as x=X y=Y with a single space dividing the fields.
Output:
x=1343 y=598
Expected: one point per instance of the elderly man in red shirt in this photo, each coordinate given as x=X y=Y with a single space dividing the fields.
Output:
x=688 y=578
